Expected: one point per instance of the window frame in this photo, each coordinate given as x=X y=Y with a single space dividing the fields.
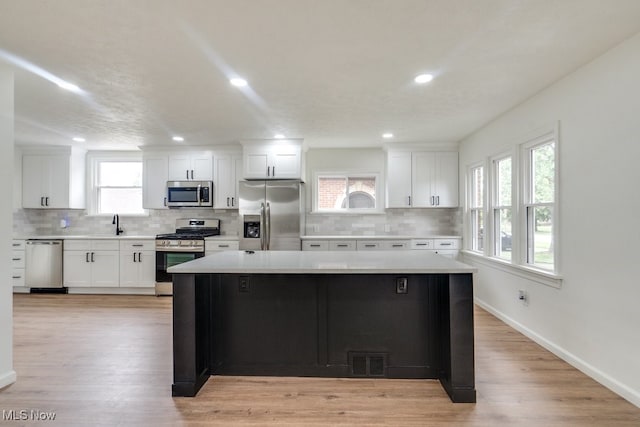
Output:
x=379 y=202
x=474 y=210
x=527 y=204
x=94 y=159
x=495 y=207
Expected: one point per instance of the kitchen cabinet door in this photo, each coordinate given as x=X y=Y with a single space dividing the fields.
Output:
x=191 y=166
x=154 y=181
x=399 y=180
x=285 y=163
x=57 y=177
x=445 y=181
x=137 y=269
x=202 y=167
x=228 y=169
x=273 y=160
x=32 y=181
x=76 y=269
x=105 y=269
x=255 y=164
x=422 y=170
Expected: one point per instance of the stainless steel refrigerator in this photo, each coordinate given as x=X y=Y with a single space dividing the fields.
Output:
x=271 y=215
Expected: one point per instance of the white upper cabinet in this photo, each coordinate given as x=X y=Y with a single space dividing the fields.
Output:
x=155 y=174
x=422 y=179
x=228 y=170
x=399 y=180
x=191 y=166
x=277 y=159
x=53 y=178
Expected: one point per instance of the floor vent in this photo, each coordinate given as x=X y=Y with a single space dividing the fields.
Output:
x=368 y=364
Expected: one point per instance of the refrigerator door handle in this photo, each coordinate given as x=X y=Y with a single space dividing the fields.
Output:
x=262 y=226
x=268 y=217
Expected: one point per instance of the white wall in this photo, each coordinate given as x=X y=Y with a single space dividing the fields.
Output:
x=7 y=374
x=593 y=319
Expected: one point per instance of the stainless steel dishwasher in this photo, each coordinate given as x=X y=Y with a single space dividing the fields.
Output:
x=43 y=264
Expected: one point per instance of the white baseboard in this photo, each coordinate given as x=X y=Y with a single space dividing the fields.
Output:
x=113 y=291
x=7 y=378
x=612 y=384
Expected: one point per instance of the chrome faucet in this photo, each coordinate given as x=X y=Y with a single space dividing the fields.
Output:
x=116 y=221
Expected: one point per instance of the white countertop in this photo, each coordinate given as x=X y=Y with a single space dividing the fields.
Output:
x=323 y=262
x=85 y=237
x=380 y=237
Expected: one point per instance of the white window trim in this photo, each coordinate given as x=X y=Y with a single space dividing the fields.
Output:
x=524 y=197
x=469 y=209
x=93 y=160
x=379 y=202
x=517 y=265
x=493 y=204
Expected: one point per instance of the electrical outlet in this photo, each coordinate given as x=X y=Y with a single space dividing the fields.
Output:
x=523 y=297
x=243 y=284
x=402 y=285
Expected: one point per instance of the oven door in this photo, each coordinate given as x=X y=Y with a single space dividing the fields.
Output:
x=165 y=260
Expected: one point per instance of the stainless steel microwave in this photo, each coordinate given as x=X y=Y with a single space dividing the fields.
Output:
x=183 y=194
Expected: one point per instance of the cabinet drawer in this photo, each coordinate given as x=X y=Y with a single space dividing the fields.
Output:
x=446 y=244
x=342 y=245
x=422 y=244
x=221 y=245
x=17 y=277
x=315 y=245
x=369 y=245
x=17 y=259
x=392 y=245
x=137 y=245
x=17 y=245
x=449 y=253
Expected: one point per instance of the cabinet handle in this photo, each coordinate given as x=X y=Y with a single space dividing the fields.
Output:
x=137 y=245
x=165 y=201
x=233 y=203
x=273 y=171
x=433 y=201
x=86 y=257
x=342 y=246
x=409 y=200
x=223 y=246
x=421 y=244
x=92 y=254
x=16 y=259
x=187 y=171
x=46 y=201
x=445 y=244
x=134 y=257
x=397 y=246
x=268 y=170
x=139 y=256
x=437 y=200
x=15 y=244
x=369 y=246
x=17 y=277
x=315 y=246
x=41 y=201
x=191 y=173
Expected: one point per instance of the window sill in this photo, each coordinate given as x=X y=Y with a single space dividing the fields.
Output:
x=544 y=277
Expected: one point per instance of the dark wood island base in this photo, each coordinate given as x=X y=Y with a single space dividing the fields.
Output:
x=324 y=325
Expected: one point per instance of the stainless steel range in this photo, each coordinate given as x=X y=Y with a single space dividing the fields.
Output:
x=186 y=244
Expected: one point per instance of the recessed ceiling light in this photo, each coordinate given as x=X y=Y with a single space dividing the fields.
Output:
x=423 y=78
x=68 y=86
x=178 y=138
x=78 y=139
x=387 y=135
x=278 y=136
x=238 y=82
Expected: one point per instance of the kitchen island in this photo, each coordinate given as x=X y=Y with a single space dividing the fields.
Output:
x=329 y=314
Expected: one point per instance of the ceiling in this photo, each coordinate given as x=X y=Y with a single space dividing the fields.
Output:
x=337 y=73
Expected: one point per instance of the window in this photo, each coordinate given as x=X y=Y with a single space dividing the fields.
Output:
x=117 y=186
x=502 y=208
x=476 y=204
x=539 y=202
x=336 y=192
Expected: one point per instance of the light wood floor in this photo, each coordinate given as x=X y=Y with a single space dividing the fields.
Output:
x=106 y=360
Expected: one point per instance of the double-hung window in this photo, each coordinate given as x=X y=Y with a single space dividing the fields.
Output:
x=116 y=185
x=502 y=207
x=539 y=190
x=347 y=193
x=476 y=208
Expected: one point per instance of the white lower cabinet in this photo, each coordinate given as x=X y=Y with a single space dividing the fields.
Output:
x=212 y=246
x=448 y=247
x=17 y=264
x=91 y=263
x=137 y=264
